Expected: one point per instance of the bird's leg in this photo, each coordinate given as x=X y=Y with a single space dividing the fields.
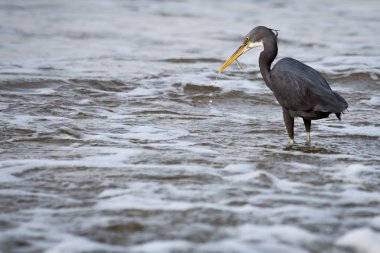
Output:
x=307 y=123
x=289 y=123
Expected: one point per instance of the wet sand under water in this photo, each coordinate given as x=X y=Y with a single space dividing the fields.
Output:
x=116 y=137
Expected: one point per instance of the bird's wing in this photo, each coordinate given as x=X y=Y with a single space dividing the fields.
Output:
x=298 y=87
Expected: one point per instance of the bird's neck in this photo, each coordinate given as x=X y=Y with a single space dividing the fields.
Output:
x=266 y=58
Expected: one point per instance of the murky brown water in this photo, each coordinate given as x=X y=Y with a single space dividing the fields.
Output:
x=116 y=137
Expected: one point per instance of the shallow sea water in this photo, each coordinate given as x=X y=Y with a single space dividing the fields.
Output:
x=117 y=138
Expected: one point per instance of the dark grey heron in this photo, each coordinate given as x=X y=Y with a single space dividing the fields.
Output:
x=300 y=89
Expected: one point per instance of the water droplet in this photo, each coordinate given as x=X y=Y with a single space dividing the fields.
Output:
x=216 y=78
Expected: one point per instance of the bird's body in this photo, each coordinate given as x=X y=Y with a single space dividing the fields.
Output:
x=307 y=95
x=299 y=89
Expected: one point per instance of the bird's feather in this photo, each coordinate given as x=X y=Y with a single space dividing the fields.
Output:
x=299 y=87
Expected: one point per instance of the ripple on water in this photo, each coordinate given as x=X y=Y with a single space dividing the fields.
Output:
x=116 y=138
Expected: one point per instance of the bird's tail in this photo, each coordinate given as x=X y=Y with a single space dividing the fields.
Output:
x=339 y=114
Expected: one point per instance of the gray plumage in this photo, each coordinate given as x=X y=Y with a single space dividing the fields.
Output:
x=300 y=90
x=306 y=92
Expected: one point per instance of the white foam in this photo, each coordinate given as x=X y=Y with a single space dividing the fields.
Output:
x=241 y=84
x=162 y=246
x=358 y=197
x=84 y=101
x=373 y=76
x=375 y=222
x=239 y=168
x=3 y=106
x=128 y=202
x=140 y=91
x=252 y=238
x=353 y=173
x=230 y=245
x=284 y=233
x=117 y=157
x=7 y=174
x=73 y=244
x=240 y=117
x=346 y=65
x=50 y=238
x=245 y=239
x=245 y=177
x=185 y=146
x=24 y=121
x=374 y=100
x=304 y=212
x=363 y=240
x=12 y=192
x=280 y=184
x=139 y=196
x=298 y=165
x=352 y=130
x=168 y=161
x=200 y=150
x=150 y=133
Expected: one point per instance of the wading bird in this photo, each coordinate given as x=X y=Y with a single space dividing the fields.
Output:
x=300 y=90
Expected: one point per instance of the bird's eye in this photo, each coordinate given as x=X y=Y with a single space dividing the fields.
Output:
x=246 y=39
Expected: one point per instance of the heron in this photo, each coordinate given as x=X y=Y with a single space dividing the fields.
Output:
x=298 y=88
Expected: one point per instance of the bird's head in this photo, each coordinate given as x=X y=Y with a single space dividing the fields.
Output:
x=255 y=38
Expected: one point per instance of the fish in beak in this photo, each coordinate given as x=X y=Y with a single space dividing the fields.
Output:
x=247 y=45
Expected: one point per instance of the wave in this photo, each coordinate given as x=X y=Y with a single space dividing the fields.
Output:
x=192 y=60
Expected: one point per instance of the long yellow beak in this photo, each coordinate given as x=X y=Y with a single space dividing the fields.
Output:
x=241 y=50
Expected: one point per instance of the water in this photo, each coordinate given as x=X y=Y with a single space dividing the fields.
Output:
x=116 y=137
